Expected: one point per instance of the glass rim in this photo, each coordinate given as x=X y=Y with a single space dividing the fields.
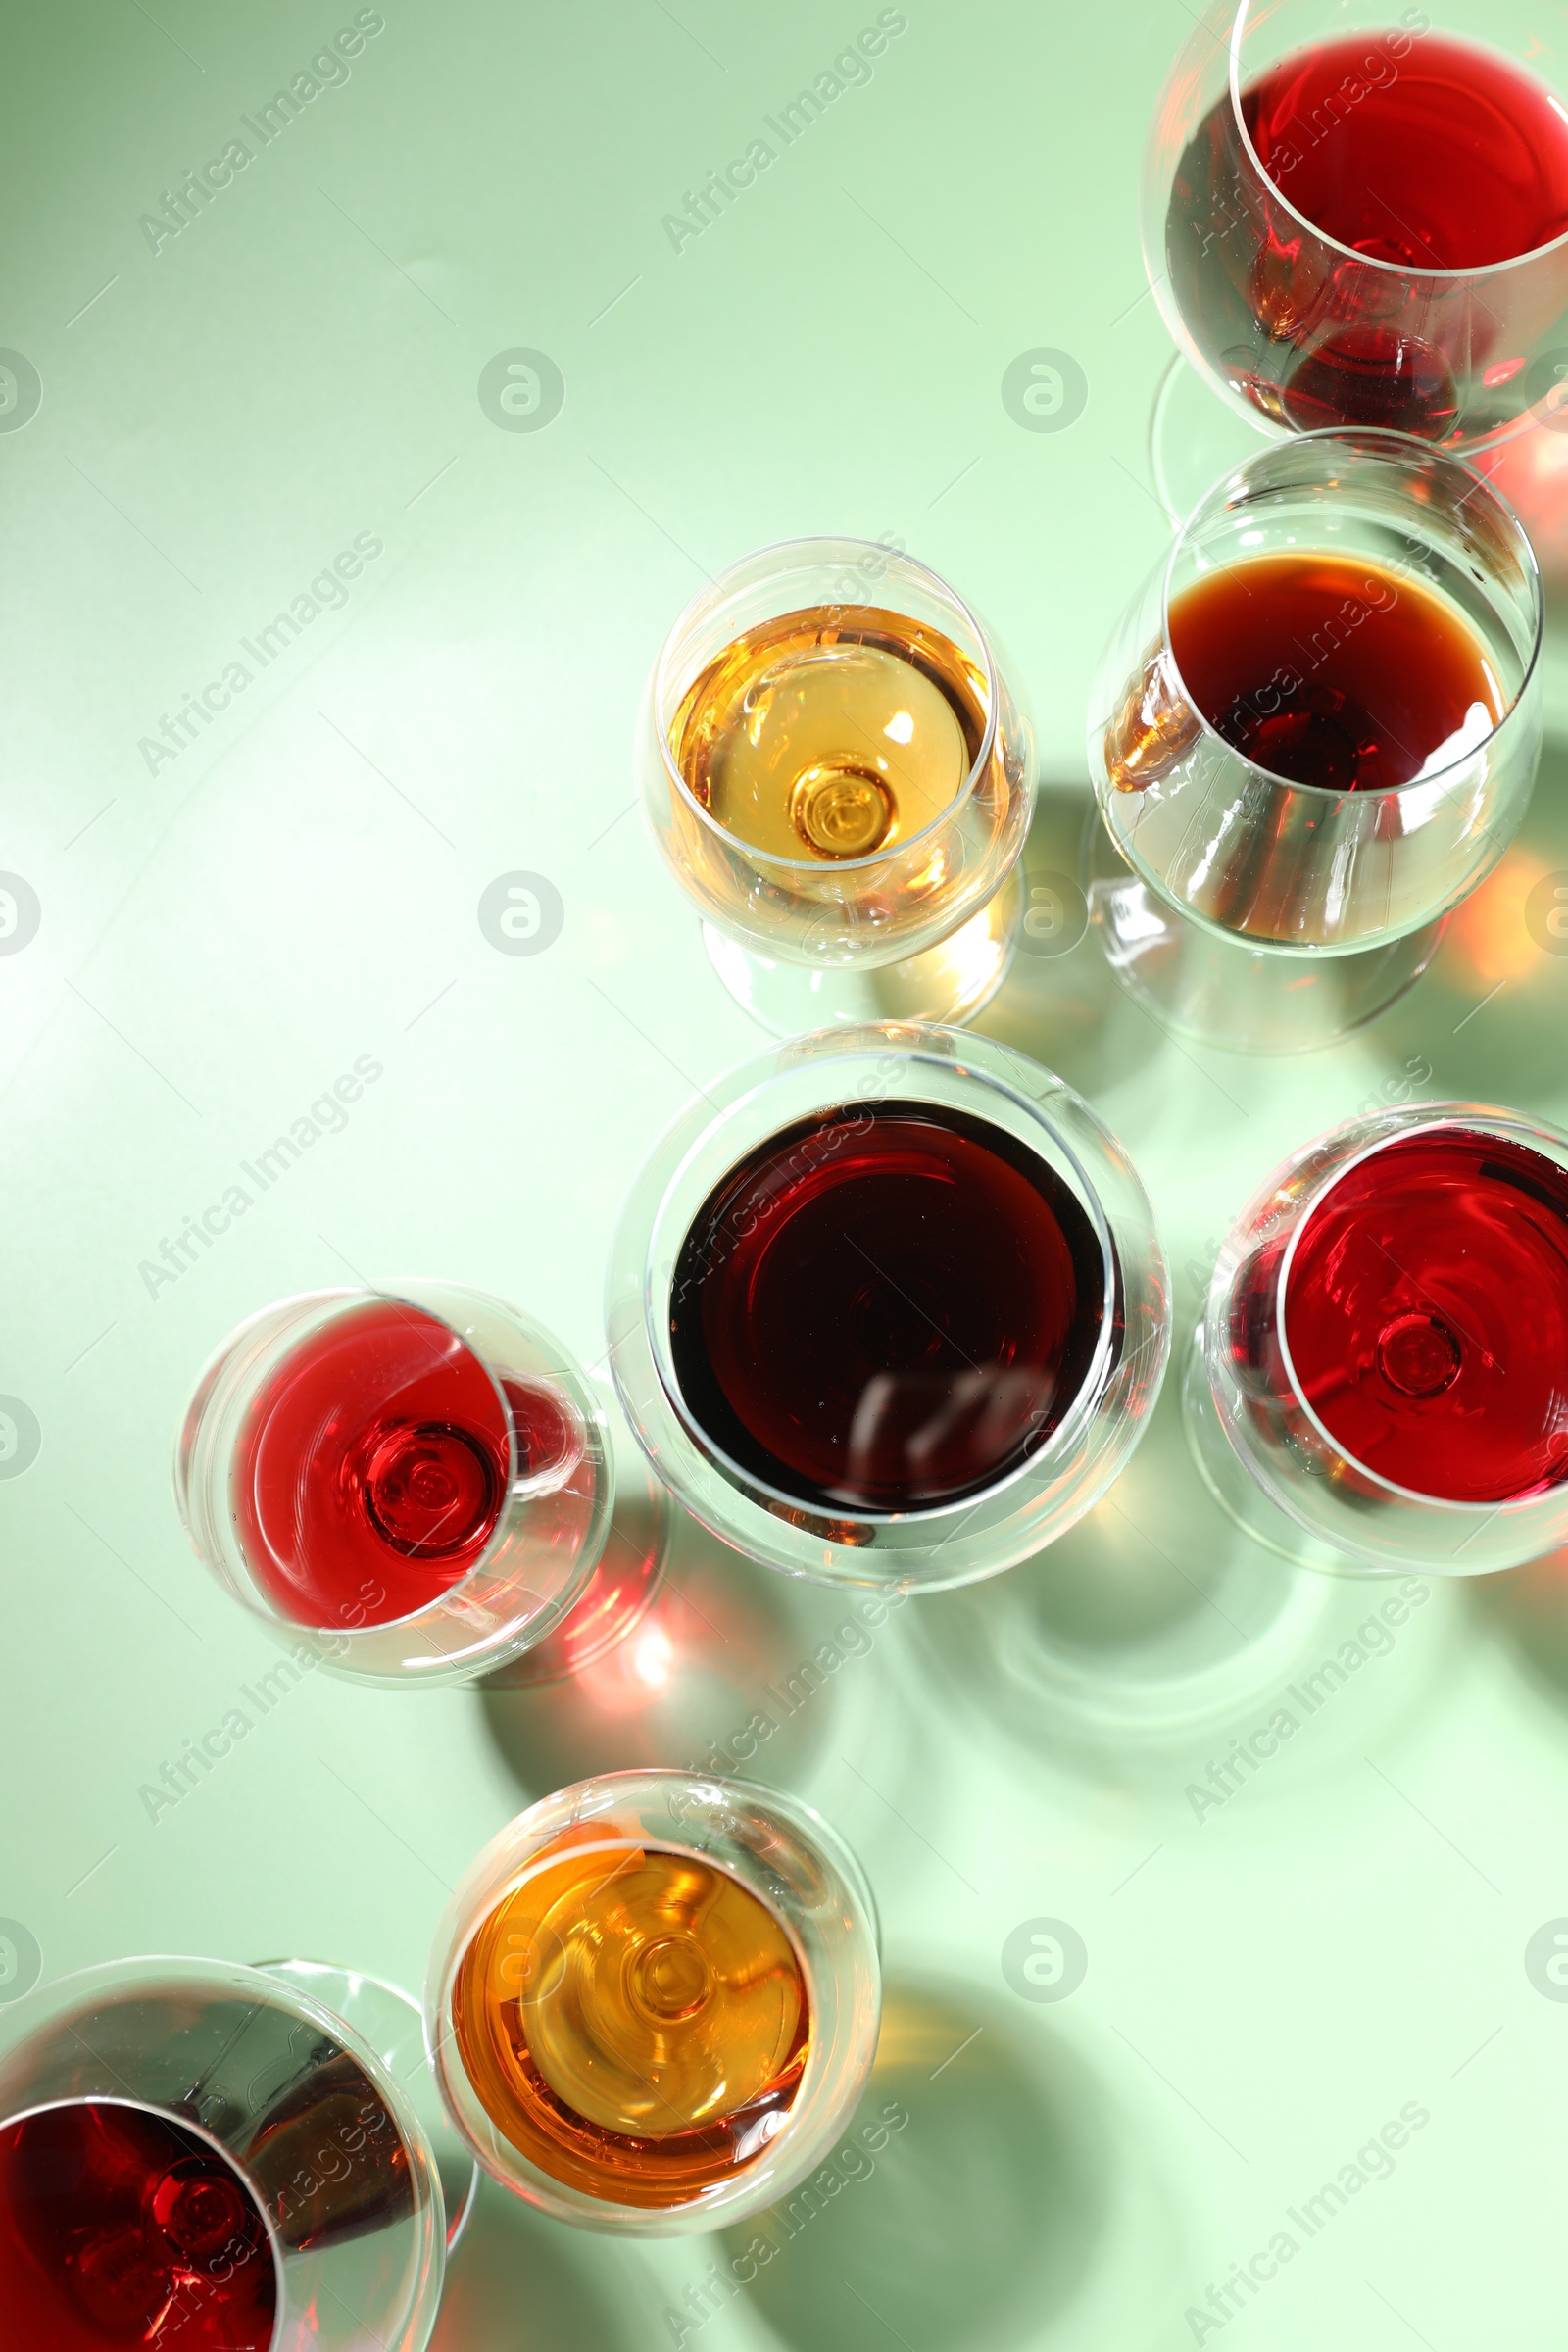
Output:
x=1486 y=1119
x=624 y=1789
x=1450 y=277
x=517 y=1488
x=871 y=858
x=751 y=1486
x=1354 y=437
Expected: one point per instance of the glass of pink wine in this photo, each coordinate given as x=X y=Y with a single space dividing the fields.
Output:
x=1352 y=216
x=1314 y=732
x=1381 y=1376
x=416 y=1483
x=887 y=1307
x=836 y=764
x=199 y=2157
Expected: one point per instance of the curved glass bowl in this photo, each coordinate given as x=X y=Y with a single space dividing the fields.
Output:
x=1328 y=1499
x=835 y=914
x=781 y=1852
x=948 y=1543
x=1294 y=328
x=553 y=1521
x=293 y=2101
x=1302 y=868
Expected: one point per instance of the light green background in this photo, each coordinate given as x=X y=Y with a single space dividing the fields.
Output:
x=220 y=940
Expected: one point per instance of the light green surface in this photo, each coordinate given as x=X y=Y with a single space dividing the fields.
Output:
x=1266 y=1986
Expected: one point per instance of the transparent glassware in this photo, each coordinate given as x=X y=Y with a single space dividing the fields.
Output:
x=1267 y=1455
x=793 y=1878
x=392 y=2022
x=1060 y=1457
x=167 y=2123
x=414 y=1483
x=1292 y=329
x=1249 y=910
x=922 y=925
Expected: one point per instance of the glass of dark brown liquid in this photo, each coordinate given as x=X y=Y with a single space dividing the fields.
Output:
x=1314 y=731
x=888 y=1307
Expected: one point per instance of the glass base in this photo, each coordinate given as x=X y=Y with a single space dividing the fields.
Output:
x=1223 y=992
x=1239 y=1495
x=948 y=983
x=1194 y=437
x=630 y=1572
x=393 y=2023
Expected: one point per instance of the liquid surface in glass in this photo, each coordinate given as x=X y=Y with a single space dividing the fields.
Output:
x=117 y=2229
x=1426 y=1314
x=1449 y=157
x=1330 y=671
x=633 y=2020
x=833 y=732
x=887 y=1307
x=371 y=1468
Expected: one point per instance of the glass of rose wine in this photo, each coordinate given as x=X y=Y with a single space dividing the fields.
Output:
x=415 y=1483
x=205 y=2158
x=887 y=1305
x=837 y=765
x=1381 y=1376
x=654 y=2001
x=1314 y=732
x=1352 y=220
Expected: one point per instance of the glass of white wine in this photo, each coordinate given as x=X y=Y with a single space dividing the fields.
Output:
x=838 y=766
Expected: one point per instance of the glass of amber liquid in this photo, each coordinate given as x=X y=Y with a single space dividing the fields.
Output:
x=199 y=2157
x=838 y=766
x=653 y=2001
x=1314 y=732
x=1381 y=1378
x=415 y=1483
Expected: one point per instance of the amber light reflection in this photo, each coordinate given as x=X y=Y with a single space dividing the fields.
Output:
x=1489 y=941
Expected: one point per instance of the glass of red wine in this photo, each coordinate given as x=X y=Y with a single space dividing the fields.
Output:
x=835 y=761
x=1349 y=221
x=888 y=1307
x=1314 y=732
x=415 y=1483
x=205 y=2158
x=1381 y=1376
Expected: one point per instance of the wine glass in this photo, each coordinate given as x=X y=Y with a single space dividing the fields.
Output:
x=837 y=765
x=1314 y=731
x=887 y=1307
x=1381 y=1376
x=413 y=1483
x=653 y=2002
x=1349 y=222
x=203 y=2155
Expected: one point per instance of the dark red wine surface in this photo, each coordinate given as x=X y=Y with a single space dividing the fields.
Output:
x=1385 y=157
x=886 y=1308
x=1426 y=1315
x=1332 y=671
x=117 y=2229
x=373 y=1468
x=1451 y=158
